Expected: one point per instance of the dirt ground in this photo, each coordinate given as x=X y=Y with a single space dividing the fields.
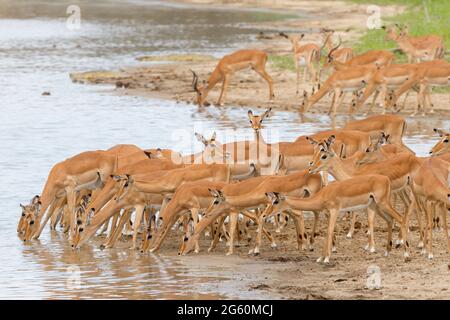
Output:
x=288 y=273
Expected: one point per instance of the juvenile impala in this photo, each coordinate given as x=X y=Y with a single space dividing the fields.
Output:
x=442 y=146
x=422 y=48
x=227 y=66
x=307 y=55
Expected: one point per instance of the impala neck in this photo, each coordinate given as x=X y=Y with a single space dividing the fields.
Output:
x=258 y=137
x=342 y=169
x=215 y=77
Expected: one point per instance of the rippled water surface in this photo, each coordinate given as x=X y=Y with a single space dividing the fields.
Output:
x=37 y=52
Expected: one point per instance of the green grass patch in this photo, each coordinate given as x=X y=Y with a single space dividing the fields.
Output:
x=282 y=62
x=423 y=17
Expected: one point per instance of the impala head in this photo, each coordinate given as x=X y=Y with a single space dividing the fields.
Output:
x=330 y=57
x=322 y=156
x=275 y=198
x=372 y=152
x=125 y=182
x=256 y=121
x=28 y=221
x=154 y=153
x=199 y=89
x=80 y=212
x=293 y=38
x=34 y=203
x=391 y=32
x=304 y=106
x=443 y=145
x=213 y=151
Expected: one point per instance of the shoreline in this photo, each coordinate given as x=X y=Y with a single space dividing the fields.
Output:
x=170 y=78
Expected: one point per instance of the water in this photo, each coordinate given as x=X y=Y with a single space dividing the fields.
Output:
x=37 y=53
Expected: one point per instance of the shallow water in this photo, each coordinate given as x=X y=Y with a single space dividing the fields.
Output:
x=37 y=53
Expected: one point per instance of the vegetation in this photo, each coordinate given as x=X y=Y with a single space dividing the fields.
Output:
x=422 y=17
x=282 y=62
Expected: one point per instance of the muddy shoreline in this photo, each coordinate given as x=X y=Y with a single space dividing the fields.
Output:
x=288 y=273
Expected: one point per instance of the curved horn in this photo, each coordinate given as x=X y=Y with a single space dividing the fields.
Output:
x=194 y=80
x=335 y=48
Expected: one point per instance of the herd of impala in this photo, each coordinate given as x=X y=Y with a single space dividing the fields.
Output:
x=221 y=191
x=227 y=187
x=370 y=73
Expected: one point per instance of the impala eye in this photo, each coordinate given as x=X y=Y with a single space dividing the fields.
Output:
x=324 y=156
x=446 y=140
x=23 y=214
x=126 y=184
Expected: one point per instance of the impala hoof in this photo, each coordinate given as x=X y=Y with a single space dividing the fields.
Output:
x=326 y=260
x=273 y=245
x=420 y=245
x=319 y=260
x=349 y=235
x=333 y=249
x=430 y=256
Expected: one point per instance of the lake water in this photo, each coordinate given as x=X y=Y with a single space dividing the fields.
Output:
x=37 y=53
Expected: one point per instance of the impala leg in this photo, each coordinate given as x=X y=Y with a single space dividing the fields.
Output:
x=297 y=70
x=300 y=228
x=234 y=216
x=371 y=221
x=195 y=220
x=137 y=224
x=223 y=92
x=444 y=221
x=114 y=220
x=375 y=96
x=118 y=231
x=351 y=231
x=313 y=231
x=429 y=213
x=334 y=103
x=263 y=73
x=428 y=98
x=262 y=217
x=71 y=202
x=340 y=101
x=333 y=214
x=389 y=213
x=217 y=233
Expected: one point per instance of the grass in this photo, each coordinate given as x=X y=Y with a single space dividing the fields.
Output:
x=422 y=16
x=282 y=62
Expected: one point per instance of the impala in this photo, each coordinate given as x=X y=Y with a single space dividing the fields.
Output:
x=416 y=48
x=301 y=184
x=307 y=54
x=369 y=191
x=427 y=75
x=346 y=80
x=342 y=55
x=442 y=146
x=398 y=169
x=161 y=184
x=227 y=66
x=195 y=196
x=391 y=125
x=431 y=182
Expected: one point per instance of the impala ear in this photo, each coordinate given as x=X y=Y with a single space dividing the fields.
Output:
x=22 y=206
x=312 y=141
x=201 y=138
x=149 y=154
x=213 y=192
x=266 y=113
x=213 y=137
x=440 y=132
x=330 y=140
x=116 y=177
x=250 y=114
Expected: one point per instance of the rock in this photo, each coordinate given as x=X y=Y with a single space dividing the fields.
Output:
x=46 y=93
